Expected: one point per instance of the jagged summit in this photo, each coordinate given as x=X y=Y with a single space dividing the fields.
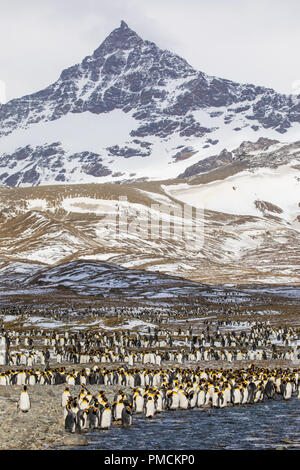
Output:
x=122 y=38
x=123 y=24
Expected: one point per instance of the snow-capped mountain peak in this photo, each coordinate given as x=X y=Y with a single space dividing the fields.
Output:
x=132 y=111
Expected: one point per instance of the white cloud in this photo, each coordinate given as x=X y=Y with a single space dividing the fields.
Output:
x=2 y=92
x=296 y=87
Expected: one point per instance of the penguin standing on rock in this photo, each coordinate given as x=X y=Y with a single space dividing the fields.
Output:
x=24 y=401
x=70 y=420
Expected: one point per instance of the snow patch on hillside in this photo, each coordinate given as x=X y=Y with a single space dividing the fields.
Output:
x=237 y=194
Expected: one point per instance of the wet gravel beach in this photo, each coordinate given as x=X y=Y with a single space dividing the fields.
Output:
x=43 y=426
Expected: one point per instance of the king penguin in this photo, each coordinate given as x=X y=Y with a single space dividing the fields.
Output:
x=106 y=417
x=65 y=397
x=127 y=416
x=117 y=408
x=70 y=420
x=149 y=407
x=138 y=402
x=24 y=401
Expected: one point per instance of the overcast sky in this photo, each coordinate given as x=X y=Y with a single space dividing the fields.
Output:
x=247 y=41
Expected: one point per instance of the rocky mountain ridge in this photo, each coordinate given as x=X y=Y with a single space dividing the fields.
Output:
x=264 y=153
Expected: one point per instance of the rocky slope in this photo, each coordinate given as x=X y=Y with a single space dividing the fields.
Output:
x=238 y=228
x=264 y=153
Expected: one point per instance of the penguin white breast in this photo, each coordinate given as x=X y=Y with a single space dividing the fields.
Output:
x=159 y=404
x=119 y=408
x=183 y=401
x=139 y=403
x=106 y=418
x=150 y=408
x=64 y=399
x=175 y=401
x=24 y=401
